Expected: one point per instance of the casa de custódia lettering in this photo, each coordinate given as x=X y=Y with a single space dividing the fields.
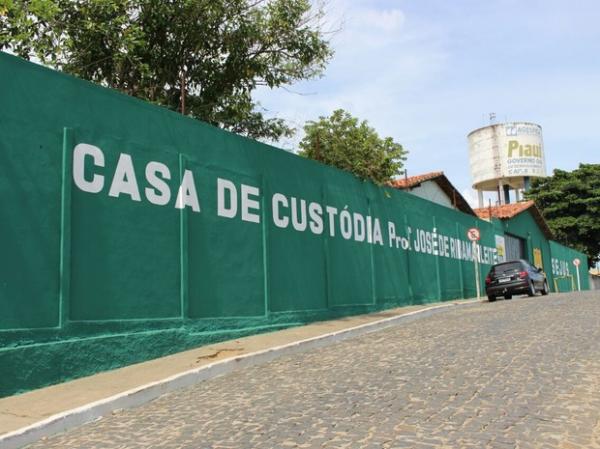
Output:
x=241 y=201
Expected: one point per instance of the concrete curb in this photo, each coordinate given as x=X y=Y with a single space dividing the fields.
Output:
x=145 y=393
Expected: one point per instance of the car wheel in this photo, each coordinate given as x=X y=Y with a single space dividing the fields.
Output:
x=491 y=298
x=507 y=296
x=545 y=289
x=531 y=290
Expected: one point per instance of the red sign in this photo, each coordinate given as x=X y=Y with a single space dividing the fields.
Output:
x=576 y=262
x=473 y=234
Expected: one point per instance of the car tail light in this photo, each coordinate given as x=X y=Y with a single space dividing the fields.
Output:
x=488 y=280
x=523 y=274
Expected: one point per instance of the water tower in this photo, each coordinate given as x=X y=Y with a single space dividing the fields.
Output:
x=504 y=157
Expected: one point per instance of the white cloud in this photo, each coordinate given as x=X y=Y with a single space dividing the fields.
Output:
x=426 y=75
x=385 y=20
x=379 y=61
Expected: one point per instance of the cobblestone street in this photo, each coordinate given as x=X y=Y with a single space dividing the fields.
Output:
x=511 y=374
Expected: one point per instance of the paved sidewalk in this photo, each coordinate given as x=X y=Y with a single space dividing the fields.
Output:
x=17 y=412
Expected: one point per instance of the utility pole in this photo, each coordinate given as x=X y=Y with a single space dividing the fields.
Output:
x=182 y=93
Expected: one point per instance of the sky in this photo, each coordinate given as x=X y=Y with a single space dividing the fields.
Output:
x=427 y=72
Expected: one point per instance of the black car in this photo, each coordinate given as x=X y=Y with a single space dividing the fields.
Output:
x=516 y=276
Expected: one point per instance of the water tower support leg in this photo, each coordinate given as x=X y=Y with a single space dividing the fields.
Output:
x=506 y=194
x=480 y=197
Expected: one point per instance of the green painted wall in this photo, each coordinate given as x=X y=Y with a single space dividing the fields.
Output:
x=524 y=226
x=565 y=272
x=130 y=232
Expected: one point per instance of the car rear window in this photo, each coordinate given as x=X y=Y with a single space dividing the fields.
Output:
x=507 y=267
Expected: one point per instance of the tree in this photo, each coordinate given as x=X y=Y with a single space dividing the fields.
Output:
x=570 y=203
x=340 y=140
x=201 y=57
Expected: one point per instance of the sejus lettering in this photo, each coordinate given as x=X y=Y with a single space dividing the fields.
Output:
x=560 y=267
x=90 y=159
x=516 y=149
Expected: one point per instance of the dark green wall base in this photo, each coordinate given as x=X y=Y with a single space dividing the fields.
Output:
x=36 y=359
x=27 y=367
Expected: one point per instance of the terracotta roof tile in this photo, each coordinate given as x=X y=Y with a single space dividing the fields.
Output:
x=503 y=211
x=411 y=181
x=507 y=211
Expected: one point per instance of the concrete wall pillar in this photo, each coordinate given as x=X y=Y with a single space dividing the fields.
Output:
x=480 y=198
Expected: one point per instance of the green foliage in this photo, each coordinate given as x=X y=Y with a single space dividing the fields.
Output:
x=570 y=203
x=340 y=140
x=216 y=51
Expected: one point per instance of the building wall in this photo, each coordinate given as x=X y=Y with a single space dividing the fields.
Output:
x=431 y=191
x=524 y=226
x=594 y=281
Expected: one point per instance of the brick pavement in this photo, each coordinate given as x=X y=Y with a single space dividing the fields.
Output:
x=512 y=374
